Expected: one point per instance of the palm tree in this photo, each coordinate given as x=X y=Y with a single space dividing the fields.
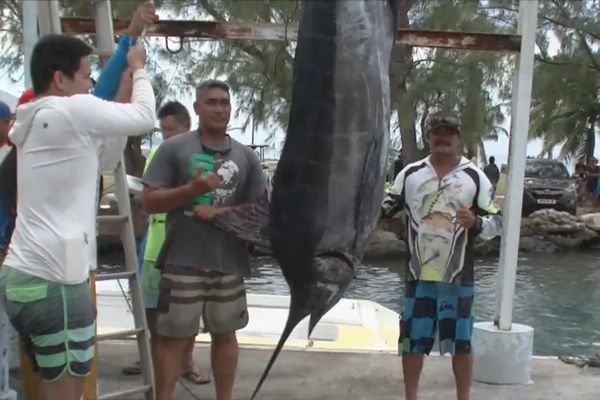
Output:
x=566 y=90
x=566 y=106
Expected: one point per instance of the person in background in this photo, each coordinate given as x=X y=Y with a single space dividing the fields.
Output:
x=501 y=185
x=492 y=172
x=6 y=206
x=580 y=176
x=449 y=201
x=591 y=183
x=6 y=118
x=174 y=119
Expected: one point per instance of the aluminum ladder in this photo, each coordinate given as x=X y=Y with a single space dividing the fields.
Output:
x=140 y=331
x=105 y=46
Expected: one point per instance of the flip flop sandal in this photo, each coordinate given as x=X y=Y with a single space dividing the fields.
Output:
x=197 y=378
x=134 y=369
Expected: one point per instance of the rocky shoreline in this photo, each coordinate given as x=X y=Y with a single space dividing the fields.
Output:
x=544 y=231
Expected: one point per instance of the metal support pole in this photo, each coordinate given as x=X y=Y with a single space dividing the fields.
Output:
x=49 y=17
x=521 y=103
x=30 y=35
x=105 y=44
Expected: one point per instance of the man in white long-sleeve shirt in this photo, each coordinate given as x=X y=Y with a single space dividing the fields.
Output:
x=60 y=138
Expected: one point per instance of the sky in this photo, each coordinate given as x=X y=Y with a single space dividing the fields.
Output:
x=498 y=149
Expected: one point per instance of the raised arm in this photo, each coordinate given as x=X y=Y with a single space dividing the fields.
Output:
x=108 y=82
x=105 y=118
x=110 y=149
x=121 y=120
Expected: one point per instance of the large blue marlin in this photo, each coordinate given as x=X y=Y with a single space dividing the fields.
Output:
x=329 y=182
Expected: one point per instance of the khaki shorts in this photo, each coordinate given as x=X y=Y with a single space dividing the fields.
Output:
x=189 y=295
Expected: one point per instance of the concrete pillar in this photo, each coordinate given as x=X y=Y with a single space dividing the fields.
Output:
x=502 y=357
x=49 y=17
x=30 y=36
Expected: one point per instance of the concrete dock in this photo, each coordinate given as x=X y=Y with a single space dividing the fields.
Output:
x=320 y=375
x=351 y=357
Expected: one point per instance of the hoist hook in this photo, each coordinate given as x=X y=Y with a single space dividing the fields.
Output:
x=174 y=51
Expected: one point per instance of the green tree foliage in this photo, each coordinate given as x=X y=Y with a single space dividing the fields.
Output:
x=566 y=107
x=259 y=73
x=11 y=38
x=477 y=84
x=472 y=83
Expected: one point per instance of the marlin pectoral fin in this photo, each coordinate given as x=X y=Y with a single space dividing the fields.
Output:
x=249 y=223
x=335 y=271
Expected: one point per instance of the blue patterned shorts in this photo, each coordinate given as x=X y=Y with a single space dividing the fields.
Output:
x=430 y=307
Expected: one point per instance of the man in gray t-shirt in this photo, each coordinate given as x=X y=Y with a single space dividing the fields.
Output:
x=192 y=177
x=194 y=242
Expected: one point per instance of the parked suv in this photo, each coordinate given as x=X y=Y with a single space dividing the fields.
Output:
x=548 y=185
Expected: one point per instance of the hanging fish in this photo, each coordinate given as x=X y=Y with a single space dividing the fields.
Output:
x=329 y=183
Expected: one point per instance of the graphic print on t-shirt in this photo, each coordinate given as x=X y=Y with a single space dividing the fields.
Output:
x=206 y=162
x=226 y=170
x=436 y=238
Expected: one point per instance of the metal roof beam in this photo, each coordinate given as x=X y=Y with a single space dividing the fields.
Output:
x=210 y=30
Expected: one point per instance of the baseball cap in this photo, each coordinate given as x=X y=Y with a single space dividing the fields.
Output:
x=443 y=119
x=5 y=112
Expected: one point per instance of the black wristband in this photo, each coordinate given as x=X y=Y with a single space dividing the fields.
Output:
x=478 y=225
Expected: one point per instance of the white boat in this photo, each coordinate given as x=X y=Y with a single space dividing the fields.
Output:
x=352 y=325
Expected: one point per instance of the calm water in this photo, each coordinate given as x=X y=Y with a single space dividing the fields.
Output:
x=559 y=295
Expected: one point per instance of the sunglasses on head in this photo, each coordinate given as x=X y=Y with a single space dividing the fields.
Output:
x=451 y=121
x=446 y=122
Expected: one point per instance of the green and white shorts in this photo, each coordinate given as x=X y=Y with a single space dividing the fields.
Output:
x=56 y=322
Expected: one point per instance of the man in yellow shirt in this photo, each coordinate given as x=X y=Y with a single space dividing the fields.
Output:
x=174 y=119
